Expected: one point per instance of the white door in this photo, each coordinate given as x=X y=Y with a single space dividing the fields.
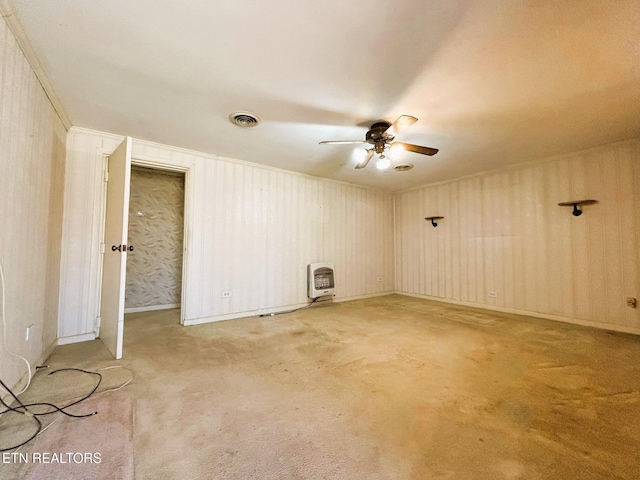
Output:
x=114 y=262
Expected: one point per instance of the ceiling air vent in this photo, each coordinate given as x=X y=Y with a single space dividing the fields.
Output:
x=403 y=167
x=244 y=119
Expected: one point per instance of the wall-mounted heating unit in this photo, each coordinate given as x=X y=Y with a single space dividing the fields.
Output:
x=320 y=280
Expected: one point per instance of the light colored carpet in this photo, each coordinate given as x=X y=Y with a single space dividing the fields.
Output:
x=385 y=388
x=97 y=447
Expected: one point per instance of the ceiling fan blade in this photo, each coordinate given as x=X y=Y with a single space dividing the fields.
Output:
x=402 y=122
x=417 y=148
x=341 y=142
x=365 y=161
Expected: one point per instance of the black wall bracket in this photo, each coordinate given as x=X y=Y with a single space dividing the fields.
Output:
x=433 y=220
x=576 y=204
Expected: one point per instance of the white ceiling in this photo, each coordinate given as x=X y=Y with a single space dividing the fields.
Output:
x=493 y=82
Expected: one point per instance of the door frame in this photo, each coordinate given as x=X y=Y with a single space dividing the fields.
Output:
x=185 y=167
x=187 y=170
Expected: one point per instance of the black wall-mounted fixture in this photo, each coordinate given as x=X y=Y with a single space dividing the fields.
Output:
x=433 y=220
x=576 y=204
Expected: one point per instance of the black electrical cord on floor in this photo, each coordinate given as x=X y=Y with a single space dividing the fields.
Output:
x=62 y=409
x=99 y=375
x=26 y=412
x=55 y=408
x=291 y=311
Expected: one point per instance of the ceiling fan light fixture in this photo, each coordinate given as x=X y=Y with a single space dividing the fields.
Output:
x=395 y=150
x=381 y=137
x=244 y=119
x=383 y=163
x=359 y=154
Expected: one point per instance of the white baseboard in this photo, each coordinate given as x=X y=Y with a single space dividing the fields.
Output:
x=85 y=337
x=233 y=316
x=267 y=311
x=151 y=308
x=362 y=297
x=557 y=318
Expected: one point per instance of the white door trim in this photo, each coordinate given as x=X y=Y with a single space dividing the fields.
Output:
x=187 y=169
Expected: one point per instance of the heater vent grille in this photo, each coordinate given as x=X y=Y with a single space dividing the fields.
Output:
x=320 y=280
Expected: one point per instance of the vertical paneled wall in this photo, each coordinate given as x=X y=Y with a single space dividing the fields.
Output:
x=252 y=230
x=504 y=232
x=256 y=229
x=82 y=233
x=32 y=140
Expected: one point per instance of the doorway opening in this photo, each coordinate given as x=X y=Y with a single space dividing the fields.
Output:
x=156 y=231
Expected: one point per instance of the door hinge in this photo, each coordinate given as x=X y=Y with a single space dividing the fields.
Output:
x=98 y=323
x=102 y=248
x=106 y=176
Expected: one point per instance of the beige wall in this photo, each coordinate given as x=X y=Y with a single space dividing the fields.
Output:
x=253 y=231
x=504 y=232
x=255 y=228
x=154 y=267
x=32 y=150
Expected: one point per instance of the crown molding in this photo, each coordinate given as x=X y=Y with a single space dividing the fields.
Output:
x=9 y=13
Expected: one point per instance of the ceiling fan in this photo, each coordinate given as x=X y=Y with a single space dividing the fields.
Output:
x=381 y=135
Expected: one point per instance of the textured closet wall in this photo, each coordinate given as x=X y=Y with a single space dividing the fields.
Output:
x=156 y=229
x=32 y=152
x=253 y=231
x=503 y=232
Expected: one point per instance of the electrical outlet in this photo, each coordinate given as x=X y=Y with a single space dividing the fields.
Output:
x=493 y=294
x=227 y=294
x=379 y=279
x=632 y=302
x=27 y=334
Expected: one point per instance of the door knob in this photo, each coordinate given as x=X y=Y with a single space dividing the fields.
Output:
x=121 y=248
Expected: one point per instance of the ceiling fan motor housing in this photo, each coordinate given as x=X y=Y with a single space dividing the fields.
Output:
x=376 y=133
x=377 y=136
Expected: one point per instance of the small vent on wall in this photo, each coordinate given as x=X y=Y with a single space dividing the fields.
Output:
x=244 y=119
